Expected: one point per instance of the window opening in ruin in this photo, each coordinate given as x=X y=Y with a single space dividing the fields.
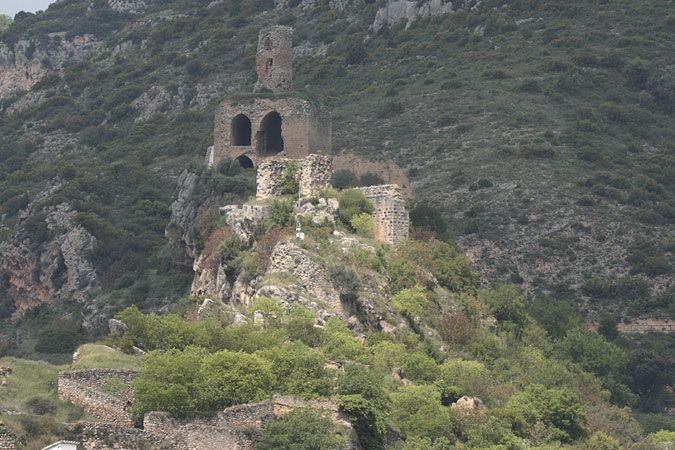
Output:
x=245 y=162
x=240 y=133
x=270 y=62
x=270 y=141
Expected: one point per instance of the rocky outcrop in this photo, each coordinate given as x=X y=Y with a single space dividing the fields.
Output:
x=310 y=274
x=243 y=220
x=52 y=270
x=158 y=100
x=26 y=62
x=396 y=11
x=469 y=406
x=179 y=228
x=127 y=6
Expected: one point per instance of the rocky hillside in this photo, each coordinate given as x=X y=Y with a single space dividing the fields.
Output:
x=542 y=130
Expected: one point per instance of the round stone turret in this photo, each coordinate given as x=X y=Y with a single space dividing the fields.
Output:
x=274 y=60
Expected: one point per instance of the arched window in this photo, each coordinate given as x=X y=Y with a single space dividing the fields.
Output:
x=240 y=133
x=270 y=141
x=245 y=162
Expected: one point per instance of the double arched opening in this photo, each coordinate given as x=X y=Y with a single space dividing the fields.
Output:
x=269 y=141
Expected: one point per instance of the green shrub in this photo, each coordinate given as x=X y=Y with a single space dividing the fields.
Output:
x=363 y=224
x=56 y=340
x=352 y=203
x=290 y=179
x=343 y=179
x=412 y=303
x=207 y=222
x=282 y=211
x=41 y=405
x=301 y=429
x=346 y=281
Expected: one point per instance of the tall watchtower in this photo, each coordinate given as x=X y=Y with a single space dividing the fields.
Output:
x=270 y=125
x=274 y=59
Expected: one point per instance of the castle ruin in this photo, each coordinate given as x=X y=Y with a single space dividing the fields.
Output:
x=264 y=125
x=270 y=130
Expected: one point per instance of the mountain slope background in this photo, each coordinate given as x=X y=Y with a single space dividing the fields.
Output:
x=542 y=131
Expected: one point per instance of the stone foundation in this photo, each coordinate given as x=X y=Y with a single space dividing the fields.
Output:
x=392 y=222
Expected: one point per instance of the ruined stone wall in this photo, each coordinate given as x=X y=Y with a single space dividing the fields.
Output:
x=233 y=428
x=320 y=131
x=305 y=128
x=105 y=436
x=7 y=438
x=274 y=59
x=85 y=388
x=269 y=178
x=391 y=215
x=386 y=168
x=315 y=172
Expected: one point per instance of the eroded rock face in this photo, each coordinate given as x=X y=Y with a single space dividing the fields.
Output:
x=56 y=269
x=127 y=6
x=158 y=100
x=311 y=275
x=25 y=63
x=179 y=228
x=396 y=11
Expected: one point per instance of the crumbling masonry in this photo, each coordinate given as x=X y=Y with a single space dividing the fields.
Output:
x=391 y=215
x=260 y=126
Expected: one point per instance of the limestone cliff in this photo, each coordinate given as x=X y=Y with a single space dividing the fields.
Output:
x=26 y=62
x=54 y=269
x=179 y=229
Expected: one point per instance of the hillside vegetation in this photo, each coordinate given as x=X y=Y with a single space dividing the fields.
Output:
x=538 y=137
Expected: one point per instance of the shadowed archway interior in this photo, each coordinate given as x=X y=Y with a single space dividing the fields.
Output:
x=245 y=162
x=240 y=132
x=270 y=141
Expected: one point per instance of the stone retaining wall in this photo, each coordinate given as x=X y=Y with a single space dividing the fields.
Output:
x=7 y=438
x=85 y=388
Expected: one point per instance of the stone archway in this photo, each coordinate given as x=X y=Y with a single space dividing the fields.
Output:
x=244 y=161
x=240 y=131
x=269 y=137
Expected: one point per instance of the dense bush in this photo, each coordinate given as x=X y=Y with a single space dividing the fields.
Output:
x=353 y=203
x=301 y=429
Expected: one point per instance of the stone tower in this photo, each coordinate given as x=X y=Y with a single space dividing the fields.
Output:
x=274 y=59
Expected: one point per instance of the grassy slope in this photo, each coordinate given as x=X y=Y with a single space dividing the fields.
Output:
x=37 y=379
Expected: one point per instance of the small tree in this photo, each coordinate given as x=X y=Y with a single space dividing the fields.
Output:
x=343 y=179
x=301 y=429
x=363 y=224
x=281 y=212
x=412 y=303
x=290 y=179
